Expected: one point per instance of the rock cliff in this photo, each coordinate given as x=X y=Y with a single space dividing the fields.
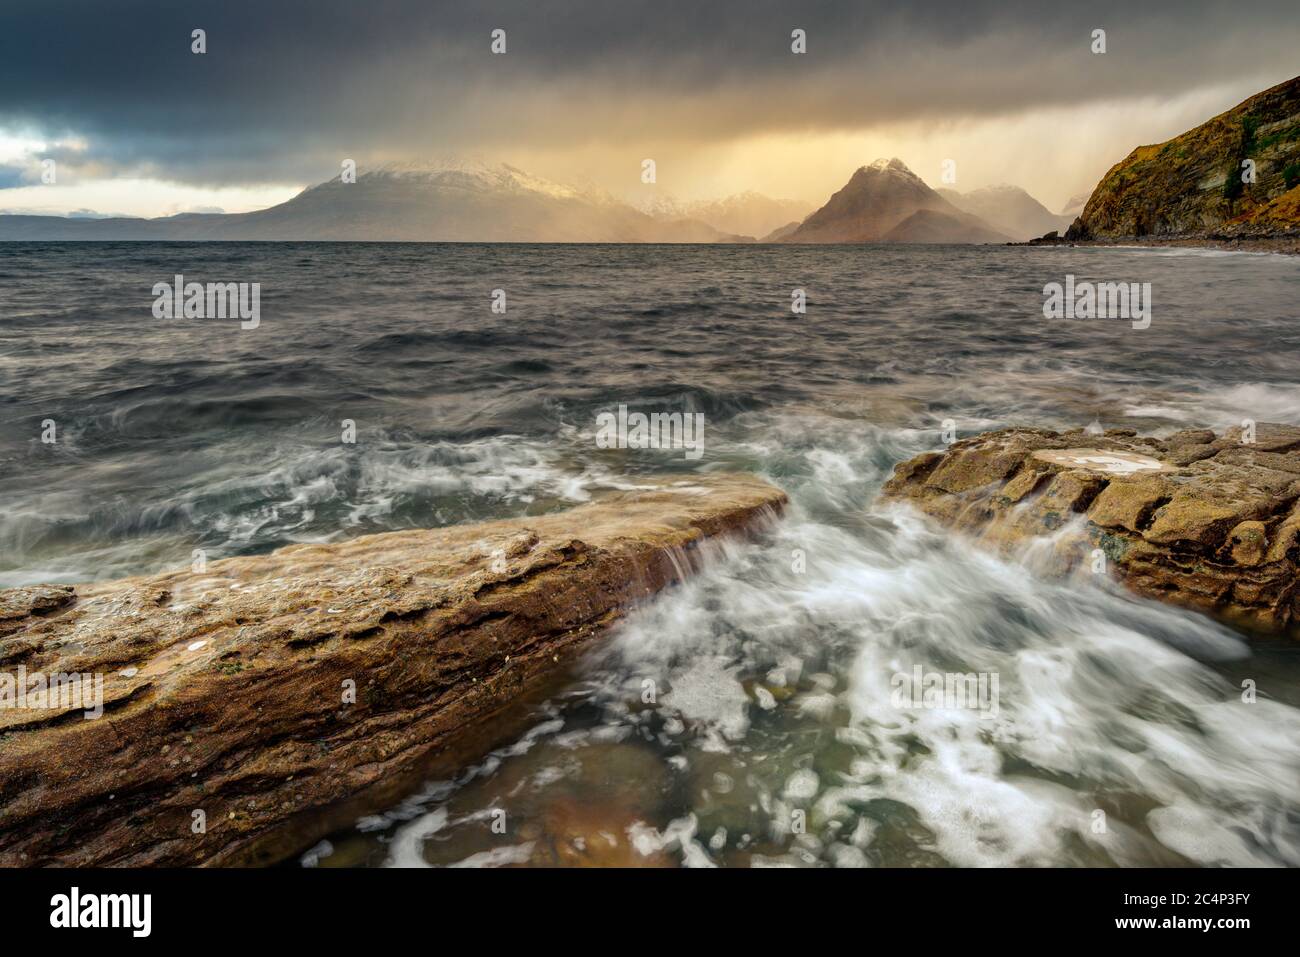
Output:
x=1192 y=185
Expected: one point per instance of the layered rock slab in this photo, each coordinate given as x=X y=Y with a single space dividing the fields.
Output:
x=1201 y=520
x=266 y=688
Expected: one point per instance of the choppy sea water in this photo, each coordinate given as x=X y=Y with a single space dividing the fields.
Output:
x=1119 y=737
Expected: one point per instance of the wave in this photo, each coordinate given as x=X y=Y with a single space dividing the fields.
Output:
x=1120 y=734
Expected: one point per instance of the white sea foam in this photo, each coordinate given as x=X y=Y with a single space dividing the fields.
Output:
x=1096 y=688
x=1110 y=710
x=1226 y=406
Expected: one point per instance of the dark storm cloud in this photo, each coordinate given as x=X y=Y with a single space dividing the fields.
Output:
x=286 y=88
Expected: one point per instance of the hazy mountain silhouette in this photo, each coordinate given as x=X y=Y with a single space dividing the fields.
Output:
x=1010 y=210
x=444 y=202
x=744 y=214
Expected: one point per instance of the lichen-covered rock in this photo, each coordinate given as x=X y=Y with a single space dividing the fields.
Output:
x=1129 y=505
x=264 y=687
x=1249 y=541
x=1218 y=530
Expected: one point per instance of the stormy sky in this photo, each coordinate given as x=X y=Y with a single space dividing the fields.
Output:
x=588 y=88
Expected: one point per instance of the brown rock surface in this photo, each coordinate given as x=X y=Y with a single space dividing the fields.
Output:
x=1208 y=522
x=224 y=690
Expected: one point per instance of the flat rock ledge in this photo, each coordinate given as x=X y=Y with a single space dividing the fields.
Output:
x=1203 y=521
x=225 y=691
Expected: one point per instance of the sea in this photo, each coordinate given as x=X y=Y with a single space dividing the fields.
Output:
x=743 y=718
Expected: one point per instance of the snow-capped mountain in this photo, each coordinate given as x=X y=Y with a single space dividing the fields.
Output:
x=445 y=201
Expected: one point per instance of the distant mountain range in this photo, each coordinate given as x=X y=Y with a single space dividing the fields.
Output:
x=446 y=202
x=1235 y=176
x=744 y=214
x=456 y=201
x=1010 y=210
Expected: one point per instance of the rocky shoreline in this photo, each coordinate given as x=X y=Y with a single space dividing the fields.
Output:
x=264 y=691
x=1286 y=245
x=1203 y=521
x=253 y=706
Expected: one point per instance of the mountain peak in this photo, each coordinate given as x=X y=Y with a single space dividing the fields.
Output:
x=880 y=197
x=895 y=164
x=471 y=174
